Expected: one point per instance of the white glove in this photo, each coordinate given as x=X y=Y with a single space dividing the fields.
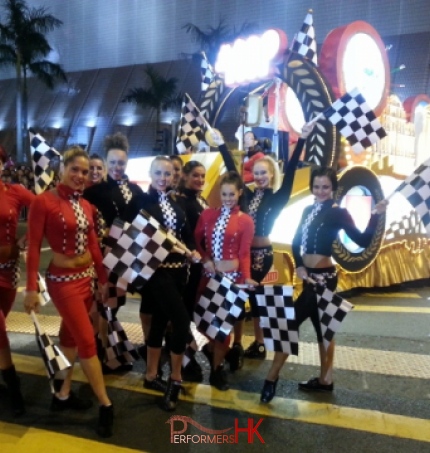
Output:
x=217 y=138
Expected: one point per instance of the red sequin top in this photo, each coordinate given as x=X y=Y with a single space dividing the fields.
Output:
x=52 y=216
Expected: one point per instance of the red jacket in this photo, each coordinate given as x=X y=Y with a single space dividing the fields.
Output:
x=248 y=175
x=52 y=216
x=237 y=239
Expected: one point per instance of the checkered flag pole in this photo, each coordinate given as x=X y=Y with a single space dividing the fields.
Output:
x=42 y=156
x=119 y=349
x=304 y=42
x=355 y=120
x=190 y=349
x=44 y=297
x=191 y=126
x=278 y=318
x=332 y=310
x=416 y=189
x=137 y=250
x=219 y=307
x=54 y=360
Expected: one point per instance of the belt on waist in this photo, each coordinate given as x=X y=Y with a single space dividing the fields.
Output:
x=90 y=272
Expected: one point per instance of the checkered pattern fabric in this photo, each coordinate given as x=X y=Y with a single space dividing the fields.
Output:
x=139 y=248
x=90 y=272
x=119 y=349
x=278 y=318
x=16 y=271
x=54 y=360
x=100 y=224
x=305 y=227
x=408 y=224
x=304 y=42
x=416 y=189
x=208 y=73
x=81 y=236
x=355 y=120
x=332 y=310
x=42 y=156
x=125 y=190
x=190 y=349
x=255 y=203
x=191 y=128
x=219 y=307
x=169 y=214
x=44 y=296
x=218 y=232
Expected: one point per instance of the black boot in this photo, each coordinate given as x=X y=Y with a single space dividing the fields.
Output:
x=171 y=395
x=218 y=378
x=269 y=390
x=13 y=385
x=104 y=427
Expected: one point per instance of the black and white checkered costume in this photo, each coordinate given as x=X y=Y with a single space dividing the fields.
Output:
x=125 y=190
x=305 y=227
x=278 y=319
x=119 y=350
x=54 y=360
x=255 y=203
x=416 y=189
x=139 y=249
x=43 y=156
x=89 y=272
x=169 y=214
x=332 y=310
x=304 y=42
x=81 y=237
x=355 y=120
x=219 y=307
x=218 y=232
x=191 y=128
x=16 y=271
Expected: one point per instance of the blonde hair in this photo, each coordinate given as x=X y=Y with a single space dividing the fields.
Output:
x=274 y=168
x=72 y=153
x=160 y=159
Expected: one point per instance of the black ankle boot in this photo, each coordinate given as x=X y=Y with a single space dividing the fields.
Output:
x=269 y=390
x=171 y=395
x=13 y=385
x=104 y=427
x=218 y=379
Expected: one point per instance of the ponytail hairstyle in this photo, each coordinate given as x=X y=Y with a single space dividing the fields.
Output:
x=233 y=177
x=324 y=171
x=72 y=153
x=186 y=170
x=274 y=168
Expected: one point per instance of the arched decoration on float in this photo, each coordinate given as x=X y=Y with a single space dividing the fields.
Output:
x=354 y=56
x=411 y=103
x=367 y=182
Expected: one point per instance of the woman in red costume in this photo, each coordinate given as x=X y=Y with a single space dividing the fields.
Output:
x=12 y=198
x=67 y=221
x=223 y=238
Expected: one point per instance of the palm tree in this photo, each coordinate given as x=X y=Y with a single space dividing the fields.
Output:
x=210 y=40
x=23 y=45
x=161 y=94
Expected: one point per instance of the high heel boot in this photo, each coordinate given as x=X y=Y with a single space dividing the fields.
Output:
x=171 y=395
x=105 y=423
x=13 y=385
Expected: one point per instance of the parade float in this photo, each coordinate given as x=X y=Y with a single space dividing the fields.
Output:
x=290 y=85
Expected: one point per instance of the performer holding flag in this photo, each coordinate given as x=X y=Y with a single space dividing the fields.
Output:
x=12 y=198
x=312 y=245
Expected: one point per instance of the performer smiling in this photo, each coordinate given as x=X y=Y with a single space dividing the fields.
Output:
x=264 y=206
x=312 y=246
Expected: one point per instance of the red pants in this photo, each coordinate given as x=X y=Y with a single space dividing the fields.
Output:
x=73 y=300
x=7 y=297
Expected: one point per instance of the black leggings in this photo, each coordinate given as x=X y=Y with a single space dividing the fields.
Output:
x=306 y=304
x=164 y=293
x=261 y=262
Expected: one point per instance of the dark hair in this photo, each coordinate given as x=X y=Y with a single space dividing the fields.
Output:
x=324 y=171
x=186 y=170
x=177 y=158
x=96 y=156
x=72 y=153
x=116 y=141
x=232 y=177
x=3 y=155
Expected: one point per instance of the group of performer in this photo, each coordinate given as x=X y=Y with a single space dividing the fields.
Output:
x=232 y=239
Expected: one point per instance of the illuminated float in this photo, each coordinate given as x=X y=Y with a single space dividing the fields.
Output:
x=399 y=251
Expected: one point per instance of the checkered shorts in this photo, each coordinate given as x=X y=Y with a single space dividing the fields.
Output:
x=90 y=272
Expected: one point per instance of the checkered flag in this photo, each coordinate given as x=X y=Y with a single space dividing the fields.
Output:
x=119 y=350
x=356 y=120
x=43 y=157
x=408 y=224
x=44 y=296
x=304 y=42
x=219 y=307
x=208 y=72
x=416 y=189
x=190 y=349
x=278 y=318
x=56 y=363
x=137 y=250
x=332 y=310
x=191 y=126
